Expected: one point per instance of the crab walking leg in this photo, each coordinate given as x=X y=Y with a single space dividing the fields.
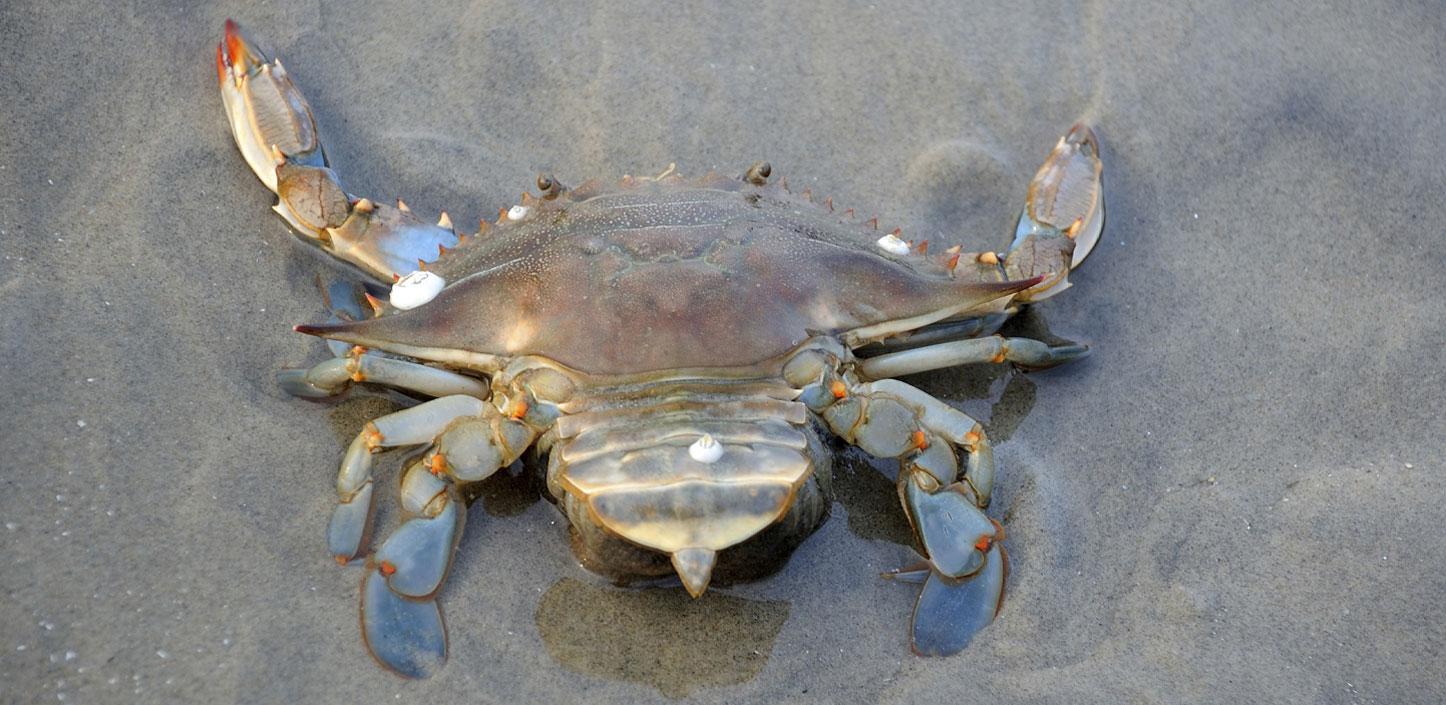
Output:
x=891 y=419
x=277 y=135
x=401 y=621
x=332 y=377
x=1025 y=353
x=945 y=331
x=350 y=522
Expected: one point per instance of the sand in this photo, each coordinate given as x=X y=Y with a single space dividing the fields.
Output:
x=1237 y=498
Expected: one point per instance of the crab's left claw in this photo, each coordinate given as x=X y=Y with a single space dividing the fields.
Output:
x=1067 y=192
x=1064 y=213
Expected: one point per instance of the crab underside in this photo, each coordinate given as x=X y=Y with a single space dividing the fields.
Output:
x=675 y=349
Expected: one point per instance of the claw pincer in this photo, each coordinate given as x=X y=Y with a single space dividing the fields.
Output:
x=276 y=133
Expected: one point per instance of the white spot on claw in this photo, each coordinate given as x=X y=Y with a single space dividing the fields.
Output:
x=517 y=212
x=893 y=245
x=706 y=449
x=416 y=288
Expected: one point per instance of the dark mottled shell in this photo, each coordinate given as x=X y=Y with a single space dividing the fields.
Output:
x=669 y=275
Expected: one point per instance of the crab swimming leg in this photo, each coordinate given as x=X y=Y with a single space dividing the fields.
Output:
x=401 y=622
x=274 y=129
x=964 y=585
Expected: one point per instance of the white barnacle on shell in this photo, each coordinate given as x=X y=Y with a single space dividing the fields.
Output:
x=892 y=244
x=416 y=288
x=706 y=449
x=517 y=212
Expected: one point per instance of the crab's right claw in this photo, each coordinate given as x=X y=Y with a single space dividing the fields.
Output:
x=268 y=116
x=277 y=135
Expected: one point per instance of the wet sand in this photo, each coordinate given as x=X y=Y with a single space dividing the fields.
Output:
x=1237 y=498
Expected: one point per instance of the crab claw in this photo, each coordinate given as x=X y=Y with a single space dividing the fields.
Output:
x=271 y=121
x=1063 y=215
x=236 y=50
x=1067 y=193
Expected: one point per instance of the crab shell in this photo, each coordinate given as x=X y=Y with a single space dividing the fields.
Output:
x=665 y=276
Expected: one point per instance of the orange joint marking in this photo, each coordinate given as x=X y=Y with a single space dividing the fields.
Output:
x=519 y=409
x=1073 y=228
x=374 y=437
x=953 y=261
x=441 y=250
x=839 y=389
x=988 y=258
x=973 y=438
x=387 y=568
x=341 y=559
x=438 y=464
x=357 y=351
x=999 y=357
x=353 y=366
x=983 y=544
x=921 y=441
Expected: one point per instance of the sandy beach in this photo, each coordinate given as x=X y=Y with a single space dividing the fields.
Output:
x=1237 y=498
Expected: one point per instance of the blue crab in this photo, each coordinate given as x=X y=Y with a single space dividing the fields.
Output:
x=676 y=349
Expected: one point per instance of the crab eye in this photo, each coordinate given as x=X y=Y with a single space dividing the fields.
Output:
x=416 y=288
